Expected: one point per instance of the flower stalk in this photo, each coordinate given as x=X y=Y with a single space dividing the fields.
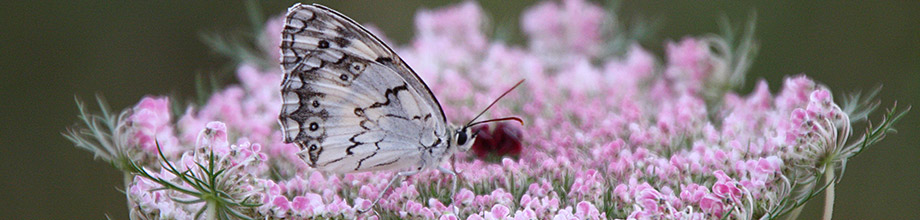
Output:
x=829 y=192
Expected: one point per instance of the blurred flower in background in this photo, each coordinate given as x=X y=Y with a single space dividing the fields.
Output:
x=607 y=137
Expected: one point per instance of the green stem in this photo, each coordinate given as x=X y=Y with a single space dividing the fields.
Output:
x=829 y=192
x=212 y=211
x=128 y=177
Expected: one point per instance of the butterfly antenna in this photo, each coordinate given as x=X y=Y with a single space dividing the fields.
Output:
x=519 y=120
x=493 y=103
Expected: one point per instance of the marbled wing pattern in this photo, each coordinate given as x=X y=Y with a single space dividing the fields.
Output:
x=349 y=102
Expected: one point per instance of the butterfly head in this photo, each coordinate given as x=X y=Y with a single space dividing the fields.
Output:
x=463 y=138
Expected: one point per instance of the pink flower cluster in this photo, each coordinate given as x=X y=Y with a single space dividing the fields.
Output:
x=151 y=122
x=605 y=137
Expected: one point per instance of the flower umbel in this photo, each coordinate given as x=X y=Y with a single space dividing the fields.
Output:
x=620 y=136
x=217 y=179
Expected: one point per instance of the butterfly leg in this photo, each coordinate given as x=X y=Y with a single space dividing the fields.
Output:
x=453 y=191
x=453 y=166
x=398 y=176
x=454 y=177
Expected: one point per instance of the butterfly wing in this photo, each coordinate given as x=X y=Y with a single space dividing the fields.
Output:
x=350 y=103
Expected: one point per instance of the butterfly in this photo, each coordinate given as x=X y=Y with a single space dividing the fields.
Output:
x=352 y=105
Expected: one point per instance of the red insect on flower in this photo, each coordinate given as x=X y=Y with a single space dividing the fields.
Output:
x=494 y=142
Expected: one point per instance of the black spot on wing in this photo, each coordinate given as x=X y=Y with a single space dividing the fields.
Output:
x=384 y=60
x=397 y=116
x=342 y=42
x=367 y=124
x=302 y=114
x=390 y=92
x=387 y=163
x=422 y=118
x=314 y=154
x=332 y=161
x=361 y=162
x=354 y=142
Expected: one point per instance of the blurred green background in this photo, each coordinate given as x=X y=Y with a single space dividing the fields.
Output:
x=52 y=51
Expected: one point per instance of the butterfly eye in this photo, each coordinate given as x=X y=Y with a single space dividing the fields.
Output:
x=461 y=137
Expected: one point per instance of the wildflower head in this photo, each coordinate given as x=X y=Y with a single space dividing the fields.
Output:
x=151 y=127
x=818 y=131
